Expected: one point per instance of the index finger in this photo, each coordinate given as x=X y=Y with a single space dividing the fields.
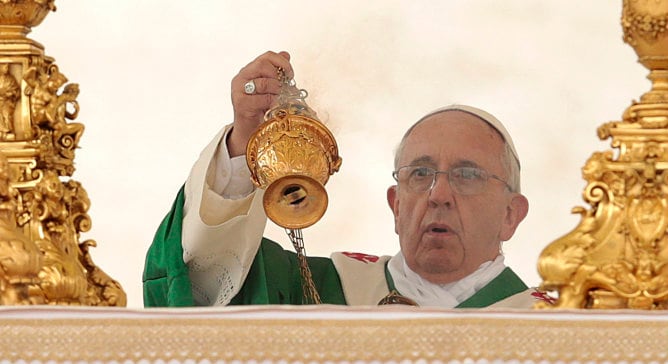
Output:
x=281 y=59
x=287 y=68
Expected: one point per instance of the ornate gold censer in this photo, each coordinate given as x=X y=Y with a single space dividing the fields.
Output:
x=617 y=255
x=291 y=155
x=42 y=213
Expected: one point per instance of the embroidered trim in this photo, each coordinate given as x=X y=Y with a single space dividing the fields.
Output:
x=543 y=296
x=366 y=258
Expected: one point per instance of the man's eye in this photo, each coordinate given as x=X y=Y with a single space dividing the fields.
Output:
x=421 y=172
x=468 y=173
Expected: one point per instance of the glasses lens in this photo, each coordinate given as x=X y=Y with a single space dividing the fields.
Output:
x=463 y=180
x=468 y=180
x=419 y=178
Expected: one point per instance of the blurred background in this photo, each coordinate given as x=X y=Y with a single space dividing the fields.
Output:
x=155 y=78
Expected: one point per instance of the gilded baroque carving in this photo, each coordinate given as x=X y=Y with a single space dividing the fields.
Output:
x=28 y=13
x=10 y=94
x=49 y=111
x=617 y=256
x=20 y=258
x=643 y=25
x=42 y=214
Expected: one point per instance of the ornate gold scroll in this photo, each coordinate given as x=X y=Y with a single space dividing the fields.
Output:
x=617 y=255
x=42 y=212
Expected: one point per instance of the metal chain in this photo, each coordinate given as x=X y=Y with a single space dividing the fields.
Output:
x=311 y=295
x=289 y=90
x=293 y=97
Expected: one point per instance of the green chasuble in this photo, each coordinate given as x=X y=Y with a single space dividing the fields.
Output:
x=273 y=278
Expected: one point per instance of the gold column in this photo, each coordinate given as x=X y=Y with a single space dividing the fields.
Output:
x=617 y=255
x=42 y=210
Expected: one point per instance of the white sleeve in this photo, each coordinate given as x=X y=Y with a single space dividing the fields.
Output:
x=220 y=235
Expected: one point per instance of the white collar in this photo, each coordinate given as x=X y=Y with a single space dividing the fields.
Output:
x=449 y=295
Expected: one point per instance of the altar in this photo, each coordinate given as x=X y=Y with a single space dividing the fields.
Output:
x=329 y=334
x=57 y=305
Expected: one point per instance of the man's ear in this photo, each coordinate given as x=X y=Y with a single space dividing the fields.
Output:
x=394 y=204
x=391 y=196
x=516 y=211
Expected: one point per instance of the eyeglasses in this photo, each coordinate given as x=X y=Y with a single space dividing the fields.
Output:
x=463 y=180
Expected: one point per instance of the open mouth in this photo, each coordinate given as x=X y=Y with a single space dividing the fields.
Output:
x=439 y=229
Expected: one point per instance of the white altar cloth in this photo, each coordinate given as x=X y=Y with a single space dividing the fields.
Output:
x=329 y=334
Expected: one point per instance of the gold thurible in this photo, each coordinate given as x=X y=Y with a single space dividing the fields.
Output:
x=617 y=256
x=291 y=155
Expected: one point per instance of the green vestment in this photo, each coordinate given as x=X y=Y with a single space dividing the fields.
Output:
x=273 y=278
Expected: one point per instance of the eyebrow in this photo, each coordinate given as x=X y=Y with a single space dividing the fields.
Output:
x=466 y=163
x=425 y=159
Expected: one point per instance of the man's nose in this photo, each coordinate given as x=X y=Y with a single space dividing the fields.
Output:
x=441 y=192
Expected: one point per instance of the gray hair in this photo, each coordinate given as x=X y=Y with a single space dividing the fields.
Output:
x=509 y=158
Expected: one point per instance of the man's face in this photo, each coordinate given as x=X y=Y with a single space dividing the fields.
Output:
x=445 y=236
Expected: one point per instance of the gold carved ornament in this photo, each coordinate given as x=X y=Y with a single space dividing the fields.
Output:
x=42 y=212
x=617 y=256
x=291 y=155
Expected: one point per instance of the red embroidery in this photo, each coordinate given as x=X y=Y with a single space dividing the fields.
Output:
x=361 y=257
x=543 y=297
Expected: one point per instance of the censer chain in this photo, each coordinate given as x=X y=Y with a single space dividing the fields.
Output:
x=311 y=295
